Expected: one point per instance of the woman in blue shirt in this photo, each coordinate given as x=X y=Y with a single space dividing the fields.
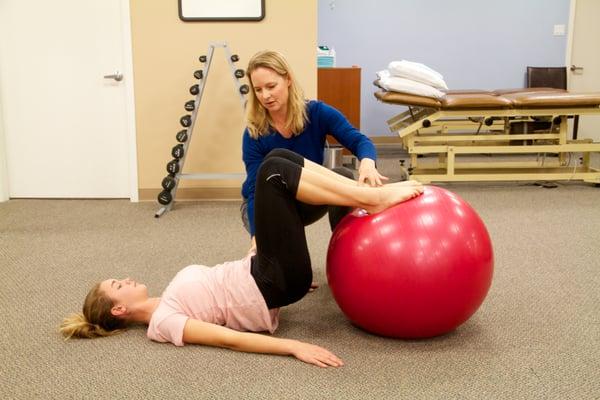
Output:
x=278 y=116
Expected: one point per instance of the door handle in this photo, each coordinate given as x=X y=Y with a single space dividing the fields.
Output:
x=576 y=68
x=117 y=76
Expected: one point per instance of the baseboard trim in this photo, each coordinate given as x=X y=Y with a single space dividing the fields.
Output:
x=233 y=193
x=188 y=194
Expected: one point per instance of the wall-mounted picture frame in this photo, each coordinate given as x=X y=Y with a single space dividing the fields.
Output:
x=221 y=10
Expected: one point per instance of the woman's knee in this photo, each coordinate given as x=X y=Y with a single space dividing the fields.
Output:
x=288 y=155
x=281 y=153
x=269 y=166
x=281 y=171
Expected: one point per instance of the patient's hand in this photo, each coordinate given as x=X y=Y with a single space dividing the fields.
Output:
x=312 y=354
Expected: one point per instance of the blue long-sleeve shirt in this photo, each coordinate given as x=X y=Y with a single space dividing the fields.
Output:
x=322 y=120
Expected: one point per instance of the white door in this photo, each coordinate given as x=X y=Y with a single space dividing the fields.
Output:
x=68 y=130
x=584 y=54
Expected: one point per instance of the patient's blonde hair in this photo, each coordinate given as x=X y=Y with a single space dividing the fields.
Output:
x=257 y=117
x=96 y=319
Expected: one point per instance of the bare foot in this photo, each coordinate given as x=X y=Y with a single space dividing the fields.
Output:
x=314 y=285
x=393 y=194
x=411 y=182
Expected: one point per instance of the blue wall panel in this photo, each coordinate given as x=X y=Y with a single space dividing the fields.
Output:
x=481 y=44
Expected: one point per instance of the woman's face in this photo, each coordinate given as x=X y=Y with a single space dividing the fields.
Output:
x=124 y=291
x=271 y=89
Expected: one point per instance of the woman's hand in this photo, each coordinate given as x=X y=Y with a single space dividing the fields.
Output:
x=313 y=354
x=368 y=174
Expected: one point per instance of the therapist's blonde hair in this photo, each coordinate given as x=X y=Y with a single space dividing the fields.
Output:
x=96 y=320
x=258 y=119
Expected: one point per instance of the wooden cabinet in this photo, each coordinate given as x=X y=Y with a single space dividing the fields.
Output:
x=340 y=88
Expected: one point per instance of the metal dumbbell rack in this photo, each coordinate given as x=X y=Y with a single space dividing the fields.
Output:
x=184 y=137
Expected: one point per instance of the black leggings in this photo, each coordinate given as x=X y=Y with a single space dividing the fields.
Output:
x=282 y=268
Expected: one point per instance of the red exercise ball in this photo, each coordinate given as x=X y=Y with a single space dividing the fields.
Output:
x=418 y=269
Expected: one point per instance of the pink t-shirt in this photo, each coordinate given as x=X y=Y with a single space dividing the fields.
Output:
x=225 y=294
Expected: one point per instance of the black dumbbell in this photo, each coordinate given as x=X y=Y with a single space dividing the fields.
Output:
x=194 y=90
x=198 y=74
x=177 y=151
x=182 y=136
x=165 y=197
x=173 y=167
x=235 y=58
x=190 y=105
x=186 y=120
x=168 y=183
x=244 y=89
x=239 y=73
x=202 y=59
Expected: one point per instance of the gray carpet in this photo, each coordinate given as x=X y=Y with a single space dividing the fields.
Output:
x=537 y=336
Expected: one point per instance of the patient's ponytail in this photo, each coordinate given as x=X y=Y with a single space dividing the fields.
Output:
x=96 y=319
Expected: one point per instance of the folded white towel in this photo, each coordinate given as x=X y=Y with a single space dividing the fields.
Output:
x=383 y=74
x=403 y=85
x=417 y=72
x=416 y=66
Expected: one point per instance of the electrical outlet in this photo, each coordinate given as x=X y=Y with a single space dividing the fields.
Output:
x=559 y=30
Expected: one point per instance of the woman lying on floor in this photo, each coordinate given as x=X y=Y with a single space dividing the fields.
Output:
x=218 y=306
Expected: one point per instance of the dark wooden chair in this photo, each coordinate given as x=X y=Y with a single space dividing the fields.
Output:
x=551 y=77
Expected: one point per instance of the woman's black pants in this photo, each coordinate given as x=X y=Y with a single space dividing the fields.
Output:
x=282 y=268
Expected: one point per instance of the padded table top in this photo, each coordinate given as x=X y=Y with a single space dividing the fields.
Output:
x=502 y=99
